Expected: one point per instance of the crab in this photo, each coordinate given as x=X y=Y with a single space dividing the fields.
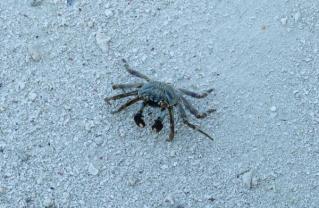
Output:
x=159 y=95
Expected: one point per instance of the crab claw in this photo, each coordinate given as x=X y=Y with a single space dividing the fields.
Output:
x=157 y=126
x=138 y=118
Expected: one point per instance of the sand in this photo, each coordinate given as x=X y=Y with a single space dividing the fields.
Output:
x=61 y=147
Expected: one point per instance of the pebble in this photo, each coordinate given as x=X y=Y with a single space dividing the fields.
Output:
x=273 y=115
x=284 y=20
x=133 y=181
x=99 y=140
x=273 y=109
x=249 y=180
x=308 y=59
x=34 y=54
x=32 y=96
x=297 y=16
x=169 y=199
x=2 y=190
x=24 y=156
x=172 y=153
x=20 y=85
x=2 y=108
x=211 y=199
x=90 y=24
x=92 y=170
x=48 y=203
x=164 y=167
x=108 y=12
x=89 y=125
x=102 y=41
x=70 y=2
x=122 y=132
x=143 y=58
x=36 y=3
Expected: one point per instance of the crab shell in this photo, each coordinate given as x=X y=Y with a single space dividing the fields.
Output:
x=159 y=94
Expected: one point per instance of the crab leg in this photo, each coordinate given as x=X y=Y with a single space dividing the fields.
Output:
x=133 y=72
x=138 y=117
x=119 y=96
x=158 y=124
x=194 y=111
x=171 y=121
x=185 y=121
x=127 y=86
x=130 y=102
x=196 y=95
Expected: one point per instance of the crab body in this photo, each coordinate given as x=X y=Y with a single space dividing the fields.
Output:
x=161 y=95
x=158 y=94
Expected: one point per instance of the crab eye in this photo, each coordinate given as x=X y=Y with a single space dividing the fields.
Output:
x=163 y=104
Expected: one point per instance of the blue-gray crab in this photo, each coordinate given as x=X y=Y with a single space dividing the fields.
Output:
x=162 y=95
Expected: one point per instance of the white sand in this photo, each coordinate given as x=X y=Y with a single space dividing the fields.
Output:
x=61 y=147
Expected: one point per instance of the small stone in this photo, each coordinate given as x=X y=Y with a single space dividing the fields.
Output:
x=3 y=190
x=211 y=199
x=164 y=167
x=39 y=180
x=248 y=179
x=169 y=199
x=36 y=3
x=297 y=16
x=308 y=59
x=271 y=187
x=70 y=2
x=24 y=157
x=49 y=203
x=133 y=181
x=172 y=153
x=2 y=108
x=284 y=20
x=20 y=85
x=89 y=125
x=102 y=41
x=107 y=5
x=122 y=132
x=254 y=182
x=90 y=24
x=99 y=140
x=108 y=13
x=273 y=109
x=32 y=96
x=273 y=115
x=92 y=170
x=34 y=54
x=144 y=57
